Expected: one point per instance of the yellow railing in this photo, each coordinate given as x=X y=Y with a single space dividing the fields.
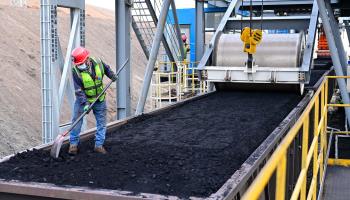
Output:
x=179 y=85
x=316 y=152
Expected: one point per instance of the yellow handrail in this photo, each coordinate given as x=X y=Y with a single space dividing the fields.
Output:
x=317 y=151
x=278 y=160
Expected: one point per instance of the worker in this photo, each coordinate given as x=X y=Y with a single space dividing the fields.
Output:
x=88 y=73
x=186 y=45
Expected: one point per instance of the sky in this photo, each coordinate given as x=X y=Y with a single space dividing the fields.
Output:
x=109 y=4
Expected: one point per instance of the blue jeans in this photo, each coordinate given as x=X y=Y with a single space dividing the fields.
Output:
x=100 y=112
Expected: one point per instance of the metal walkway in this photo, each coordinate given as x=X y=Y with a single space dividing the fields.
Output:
x=337 y=183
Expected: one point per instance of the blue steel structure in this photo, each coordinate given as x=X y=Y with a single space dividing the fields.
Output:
x=187 y=16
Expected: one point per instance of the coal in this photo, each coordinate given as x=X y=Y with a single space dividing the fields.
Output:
x=190 y=150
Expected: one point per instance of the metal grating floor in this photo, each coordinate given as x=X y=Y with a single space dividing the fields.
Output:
x=337 y=183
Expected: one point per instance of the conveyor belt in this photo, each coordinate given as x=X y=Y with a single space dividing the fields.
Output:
x=189 y=149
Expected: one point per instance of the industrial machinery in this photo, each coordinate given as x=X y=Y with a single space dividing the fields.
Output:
x=281 y=60
x=237 y=57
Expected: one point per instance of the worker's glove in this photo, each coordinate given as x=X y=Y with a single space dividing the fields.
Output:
x=114 y=77
x=86 y=107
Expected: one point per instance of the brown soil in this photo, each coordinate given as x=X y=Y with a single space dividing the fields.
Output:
x=20 y=107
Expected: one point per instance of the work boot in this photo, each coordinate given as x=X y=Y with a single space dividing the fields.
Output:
x=100 y=150
x=73 y=150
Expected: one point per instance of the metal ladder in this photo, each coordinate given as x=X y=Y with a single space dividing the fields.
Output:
x=144 y=23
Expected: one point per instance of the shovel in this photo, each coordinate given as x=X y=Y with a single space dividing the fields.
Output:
x=56 y=146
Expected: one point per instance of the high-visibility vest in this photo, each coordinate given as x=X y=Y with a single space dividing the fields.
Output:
x=92 y=88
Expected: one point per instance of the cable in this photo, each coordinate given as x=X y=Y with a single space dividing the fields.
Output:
x=262 y=14
x=251 y=16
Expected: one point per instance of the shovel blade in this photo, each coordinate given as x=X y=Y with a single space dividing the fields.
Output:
x=56 y=146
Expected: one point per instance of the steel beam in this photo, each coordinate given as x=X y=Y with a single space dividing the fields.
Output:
x=334 y=54
x=335 y=29
x=52 y=65
x=310 y=42
x=178 y=31
x=71 y=4
x=200 y=29
x=282 y=22
x=48 y=33
x=67 y=72
x=347 y=28
x=153 y=57
x=123 y=41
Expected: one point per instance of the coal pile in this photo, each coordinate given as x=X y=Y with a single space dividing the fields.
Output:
x=191 y=150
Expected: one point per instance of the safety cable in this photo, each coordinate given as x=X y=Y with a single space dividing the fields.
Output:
x=262 y=14
x=250 y=16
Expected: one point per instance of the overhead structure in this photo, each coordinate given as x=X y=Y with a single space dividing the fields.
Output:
x=123 y=40
x=159 y=34
x=145 y=16
x=56 y=81
x=281 y=60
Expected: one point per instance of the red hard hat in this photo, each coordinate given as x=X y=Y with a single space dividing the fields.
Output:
x=184 y=38
x=79 y=55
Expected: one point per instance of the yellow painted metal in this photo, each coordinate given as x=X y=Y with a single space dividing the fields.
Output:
x=315 y=164
x=264 y=176
x=341 y=132
x=281 y=178
x=316 y=152
x=334 y=77
x=251 y=38
x=303 y=156
x=338 y=105
x=312 y=194
x=339 y=162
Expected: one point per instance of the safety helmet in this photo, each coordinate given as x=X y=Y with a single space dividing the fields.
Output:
x=184 y=38
x=79 y=55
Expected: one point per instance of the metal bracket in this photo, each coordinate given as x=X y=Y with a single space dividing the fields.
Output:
x=129 y=3
x=228 y=76
x=301 y=76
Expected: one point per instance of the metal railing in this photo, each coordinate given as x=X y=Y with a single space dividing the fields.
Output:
x=146 y=24
x=315 y=151
x=172 y=82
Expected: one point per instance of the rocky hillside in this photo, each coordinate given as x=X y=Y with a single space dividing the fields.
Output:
x=20 y=89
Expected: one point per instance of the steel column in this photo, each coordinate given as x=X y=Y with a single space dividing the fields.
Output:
x=310 y=42
x=67 y=72
x=52 y=65
x=123 y=41
x=153 y=57
x=347 y=28
x=335 y=29
x=178 y=31
x=200 y=29
x=334 y=54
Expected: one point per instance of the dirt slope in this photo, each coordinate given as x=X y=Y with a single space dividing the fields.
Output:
x=20 y=99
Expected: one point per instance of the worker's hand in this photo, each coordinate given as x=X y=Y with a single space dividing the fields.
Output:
x=86 y=107
x=114 y=77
